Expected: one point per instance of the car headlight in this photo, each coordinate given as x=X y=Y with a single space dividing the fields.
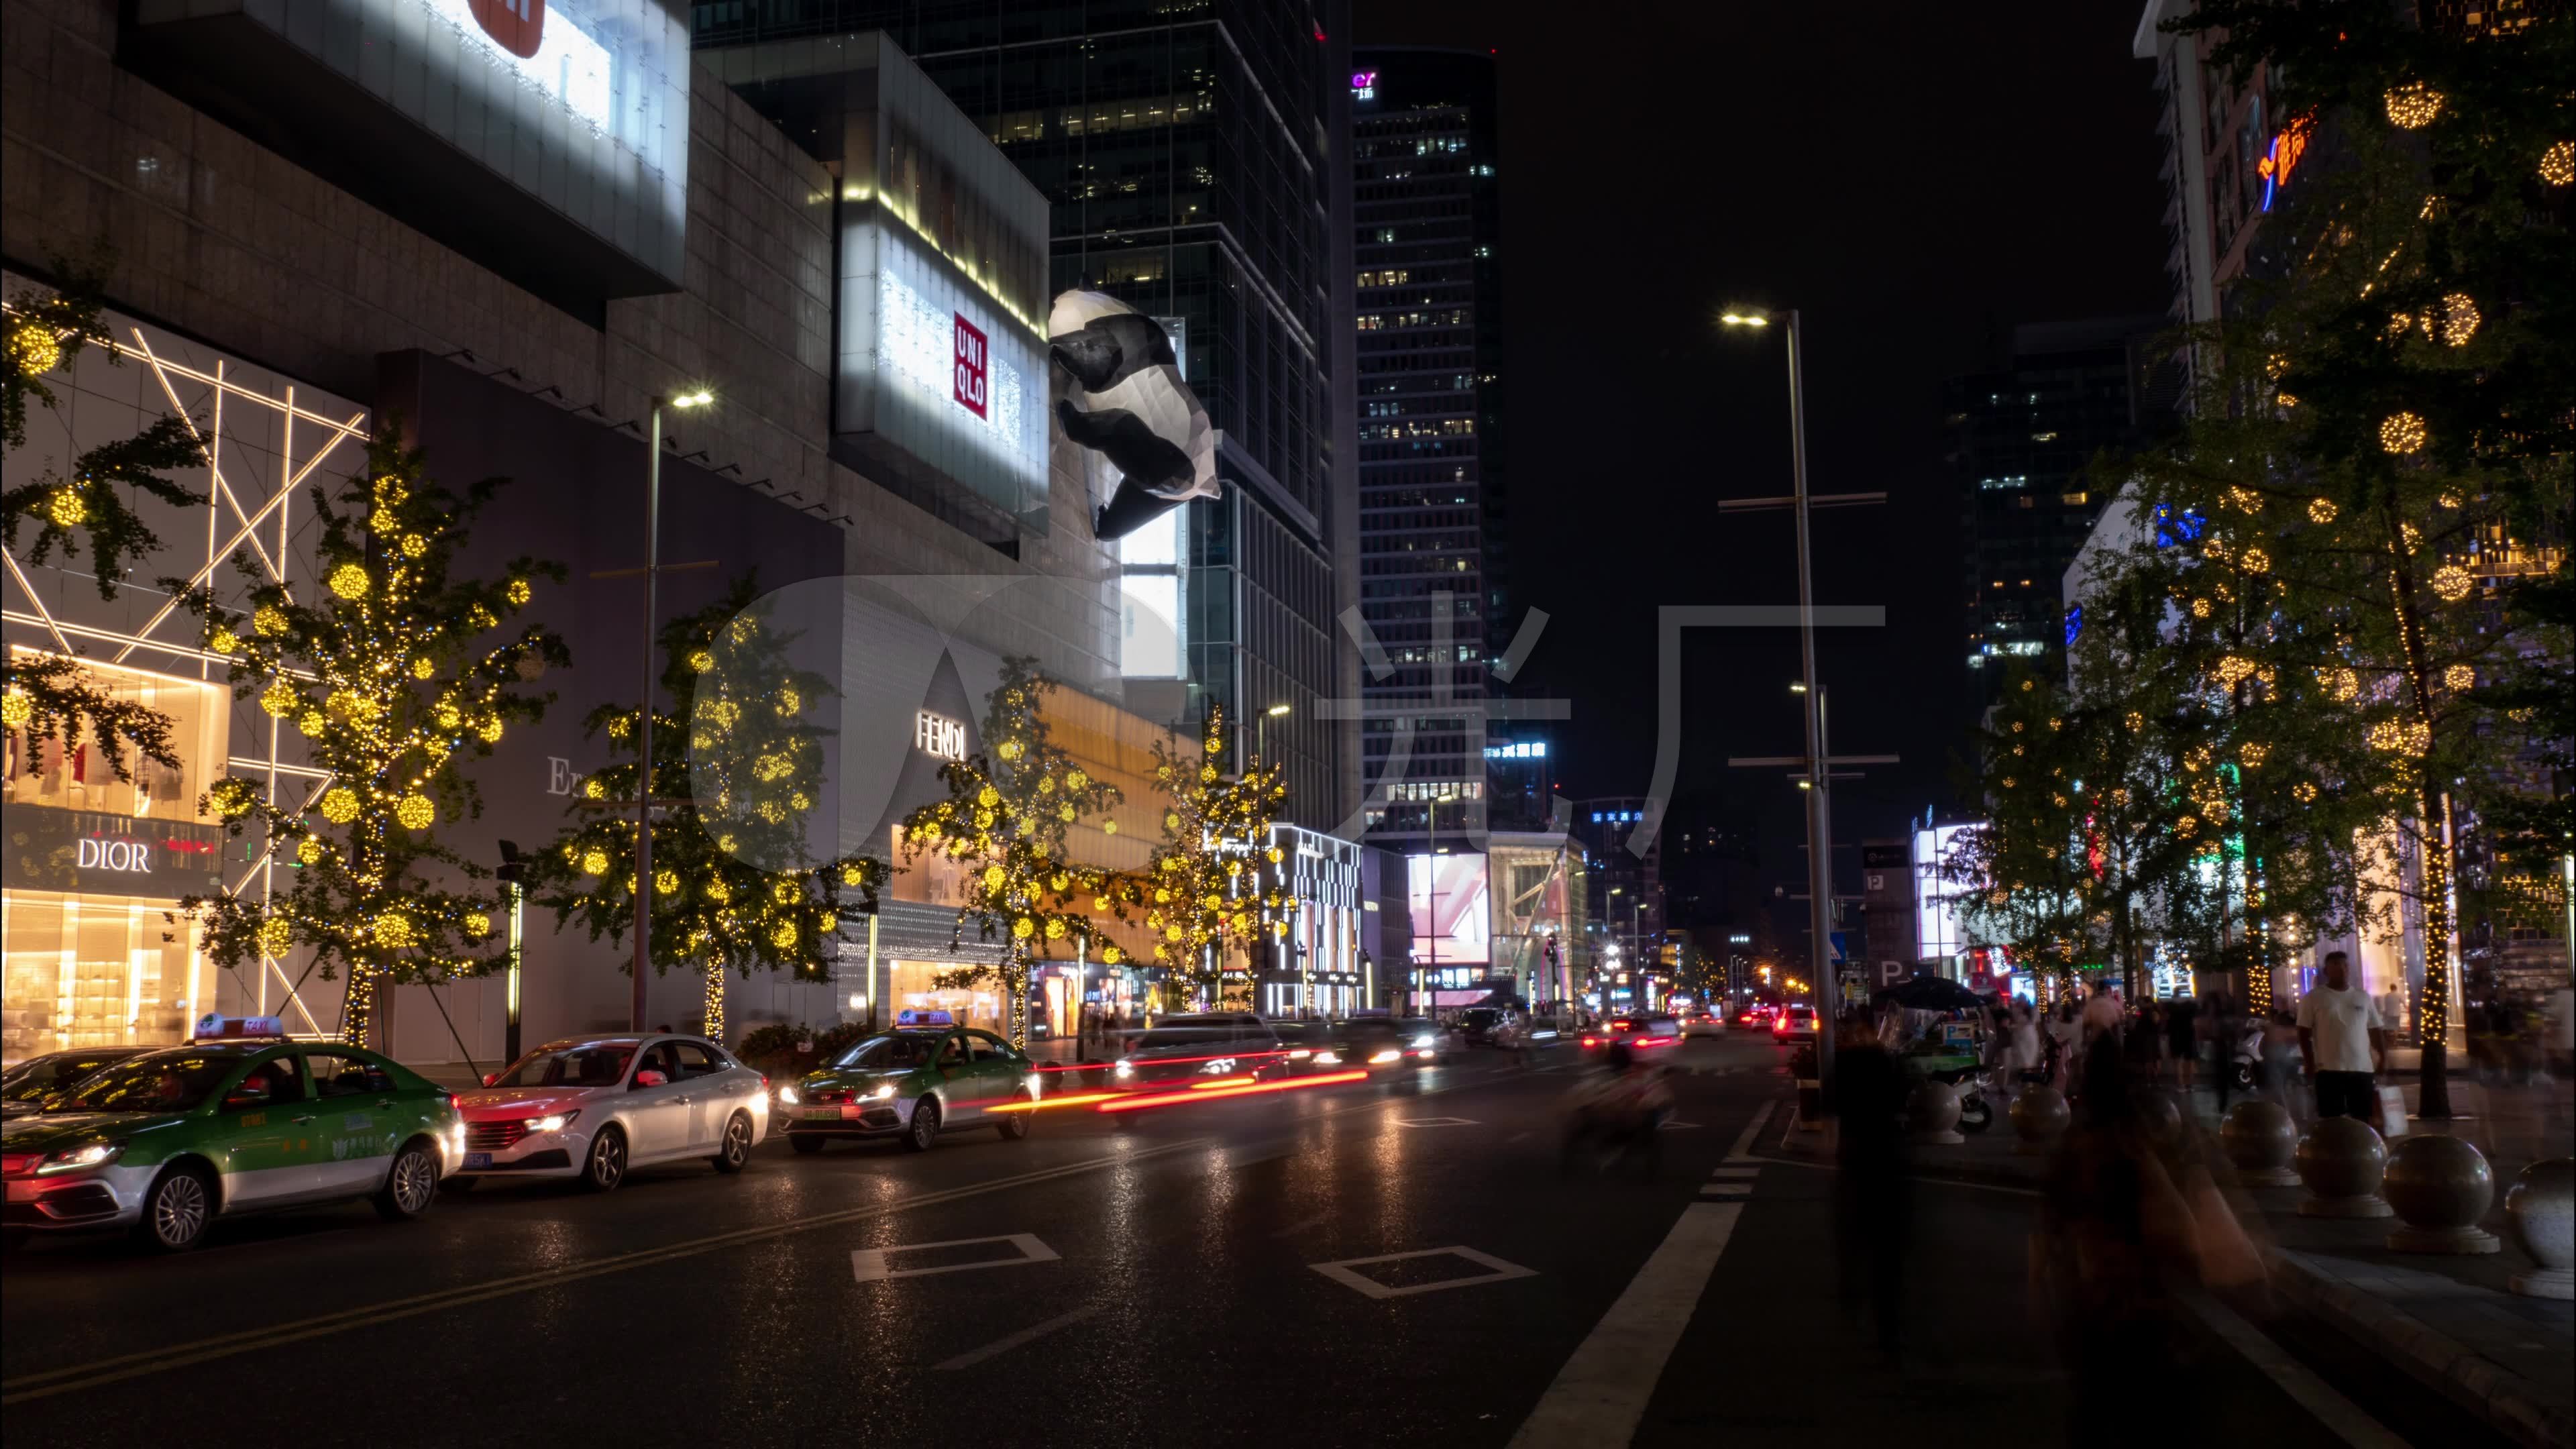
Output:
x=1123 y=1069
x=787 y=1097
x=1423 y=1040
x=883 y=1092
x=1389 y=1055
x=552 y=1121
x=1328 y=1059
x=77 y=1159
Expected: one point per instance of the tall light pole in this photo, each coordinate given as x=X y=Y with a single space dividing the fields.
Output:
x=1820 y=874
x=644 y=722
x=1261 y=729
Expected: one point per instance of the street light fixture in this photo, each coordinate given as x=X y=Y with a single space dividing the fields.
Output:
x=644 y=722
x=1261 y=729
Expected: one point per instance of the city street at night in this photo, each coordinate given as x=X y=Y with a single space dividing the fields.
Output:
x=1199 y=1274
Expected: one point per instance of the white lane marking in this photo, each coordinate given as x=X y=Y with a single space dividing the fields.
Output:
x=1711 y=1191
x=1601 y=1393
x=47 y=1382
x=868 y=1265
x=1435 y=1122
x=1752 y=1129
x=1677 y=1126
x=1497 y=1271
x=1030 y=1334
x=1301 y=1225
x=2348 y=1421
x=1735 y=1172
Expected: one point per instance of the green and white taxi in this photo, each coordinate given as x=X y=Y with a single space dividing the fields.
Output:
x=925 y=1077
x=166 y=1142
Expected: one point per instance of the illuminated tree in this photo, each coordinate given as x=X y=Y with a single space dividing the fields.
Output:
x=1210 y=899
x=1005 y=823
x=736 y=886
x=395 y=672
x=48 y=695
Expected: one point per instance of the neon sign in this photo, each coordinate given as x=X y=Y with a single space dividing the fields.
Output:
x=2282 y=159
x=1364 y=85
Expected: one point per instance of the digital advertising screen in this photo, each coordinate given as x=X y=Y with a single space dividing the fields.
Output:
x=1452 y=909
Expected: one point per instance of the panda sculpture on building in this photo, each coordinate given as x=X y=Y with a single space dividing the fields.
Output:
x=1127 y=403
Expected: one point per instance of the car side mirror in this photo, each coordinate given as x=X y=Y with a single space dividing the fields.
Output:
x=248 y=1094
x=649 y=1078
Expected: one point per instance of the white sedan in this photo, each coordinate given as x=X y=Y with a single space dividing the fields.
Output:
x=595 y=1108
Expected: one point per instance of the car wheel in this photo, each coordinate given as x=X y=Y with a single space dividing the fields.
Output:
x=178 y=1210
x=605 y=1167
x=805 y=1143
x=925 y=1125
x=735 y=1150
x=1015 y=1125
x=411 y=1186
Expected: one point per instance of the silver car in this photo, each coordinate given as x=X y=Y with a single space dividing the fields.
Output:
x=595 y=1108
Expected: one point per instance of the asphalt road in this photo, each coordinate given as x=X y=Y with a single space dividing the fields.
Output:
x=1194 y=1274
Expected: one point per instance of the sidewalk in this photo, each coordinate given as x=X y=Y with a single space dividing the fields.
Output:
x=2449 y=1322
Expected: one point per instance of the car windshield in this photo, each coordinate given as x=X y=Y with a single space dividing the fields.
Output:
x=159 y=1082
x=570 y=1064
x=898 y=1049
x=29 y=1081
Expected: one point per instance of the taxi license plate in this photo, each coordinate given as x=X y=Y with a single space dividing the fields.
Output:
x=823 y=1114
x=478 y=1159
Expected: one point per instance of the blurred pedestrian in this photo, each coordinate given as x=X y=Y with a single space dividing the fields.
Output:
x=2341 y=1042
x=2062 y=1036
x=2022 y=1059
x=2145 y=1043
x=1872 y=1217
x=2182 y=1040
x=2392 y=1008
x=2223 y=1024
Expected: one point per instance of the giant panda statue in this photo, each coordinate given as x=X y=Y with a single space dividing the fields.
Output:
x=1127 y=403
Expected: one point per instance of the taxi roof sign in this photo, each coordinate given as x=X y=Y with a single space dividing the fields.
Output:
x=910 y=1017
x=214 y=1026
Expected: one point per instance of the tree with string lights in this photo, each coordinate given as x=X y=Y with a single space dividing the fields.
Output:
x=1210 y=899
x=736 y=886
x=85 y=505
x=1004 y=824
x=396 y=672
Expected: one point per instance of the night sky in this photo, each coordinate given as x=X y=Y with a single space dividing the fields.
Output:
x=1918 y=179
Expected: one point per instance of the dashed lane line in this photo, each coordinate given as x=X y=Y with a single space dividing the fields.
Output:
x=75 y=1377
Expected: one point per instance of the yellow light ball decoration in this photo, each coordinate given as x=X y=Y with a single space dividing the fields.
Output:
x=395 y=929
x=854 y=874
x=339 y=804
x=2558 y=163
x=518 y=592
x=1109 y=827
x=2254 y=561
x=717 y=891
x=2402 y=433
x=415 y=812
x=2253 y=753
x=489 y=732
x=67 y=508
x=232 y=798
x=2460 y=676
x=700 y=661
x=2412 y=106
x=477 y=924
x=783 y=935
x=2305 y=792
x=413 y=545
x=2322 y=510
x=2452 y=583
x=421 y=668
x=594 y=861
x=309 y=851
x=276 y=936
x=1008 y=750
x=280 y=699
x=2200 y=608
x=349 y=581
x=35 y=347
x=17 y=708
x=993 y=877
x=1111 y=955
x=1023 y=928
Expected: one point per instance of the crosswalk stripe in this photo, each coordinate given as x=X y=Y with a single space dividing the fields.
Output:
x=1735 y=1172
x=1713 y=1190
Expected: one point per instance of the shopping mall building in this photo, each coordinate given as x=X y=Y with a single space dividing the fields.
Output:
x=507 y=236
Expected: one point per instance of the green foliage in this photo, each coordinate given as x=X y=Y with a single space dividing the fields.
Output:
x=396 y=671
x=1209 y=904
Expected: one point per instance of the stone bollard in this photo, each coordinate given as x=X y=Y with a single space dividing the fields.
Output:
x=2039 y=1118
x=2441 y=1186
x=2160 y=1118
x=2541 y=1209
x=1934 y=1112
x=2341 y=1160
x=2260 y=1138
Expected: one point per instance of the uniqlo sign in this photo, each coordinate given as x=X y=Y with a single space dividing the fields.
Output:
x=971 y=372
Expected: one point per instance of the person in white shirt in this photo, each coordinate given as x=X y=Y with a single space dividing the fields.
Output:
x=2392 y=1008
x=2343 y=1042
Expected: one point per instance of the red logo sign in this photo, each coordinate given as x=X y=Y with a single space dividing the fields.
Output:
x=970 y=367
x=517 y=26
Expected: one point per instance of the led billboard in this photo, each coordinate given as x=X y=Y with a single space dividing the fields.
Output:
x=1452 y=909
x=548 y=140
x=1937 y=935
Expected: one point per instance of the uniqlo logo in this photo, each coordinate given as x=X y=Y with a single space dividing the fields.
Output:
x=517 y=26
x=971 y=371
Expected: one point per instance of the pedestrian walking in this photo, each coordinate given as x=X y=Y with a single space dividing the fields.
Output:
x=2182 y=1040
x=2392 y=1008
x=2342 y=1043
x=2145 y=1044
x=2224 y=1026
x=1872 y=1216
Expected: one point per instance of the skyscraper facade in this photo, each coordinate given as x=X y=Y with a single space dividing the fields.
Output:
x=1185 y=154
x=1425 y=223
x=2021 y=437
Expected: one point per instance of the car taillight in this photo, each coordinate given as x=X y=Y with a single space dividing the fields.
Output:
x=764 y=1081
x=455 y=1103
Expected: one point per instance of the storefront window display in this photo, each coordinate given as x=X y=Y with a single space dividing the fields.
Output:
x=92 y=863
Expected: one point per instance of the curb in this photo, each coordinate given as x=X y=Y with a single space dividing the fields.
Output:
x=2484 y=1388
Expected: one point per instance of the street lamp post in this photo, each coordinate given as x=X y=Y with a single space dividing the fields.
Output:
x=1261 y=730
x=644 y=721
x=1820 y=878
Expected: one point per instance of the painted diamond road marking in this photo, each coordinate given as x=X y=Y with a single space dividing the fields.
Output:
x=1498 y=1272
x=869 y=1264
